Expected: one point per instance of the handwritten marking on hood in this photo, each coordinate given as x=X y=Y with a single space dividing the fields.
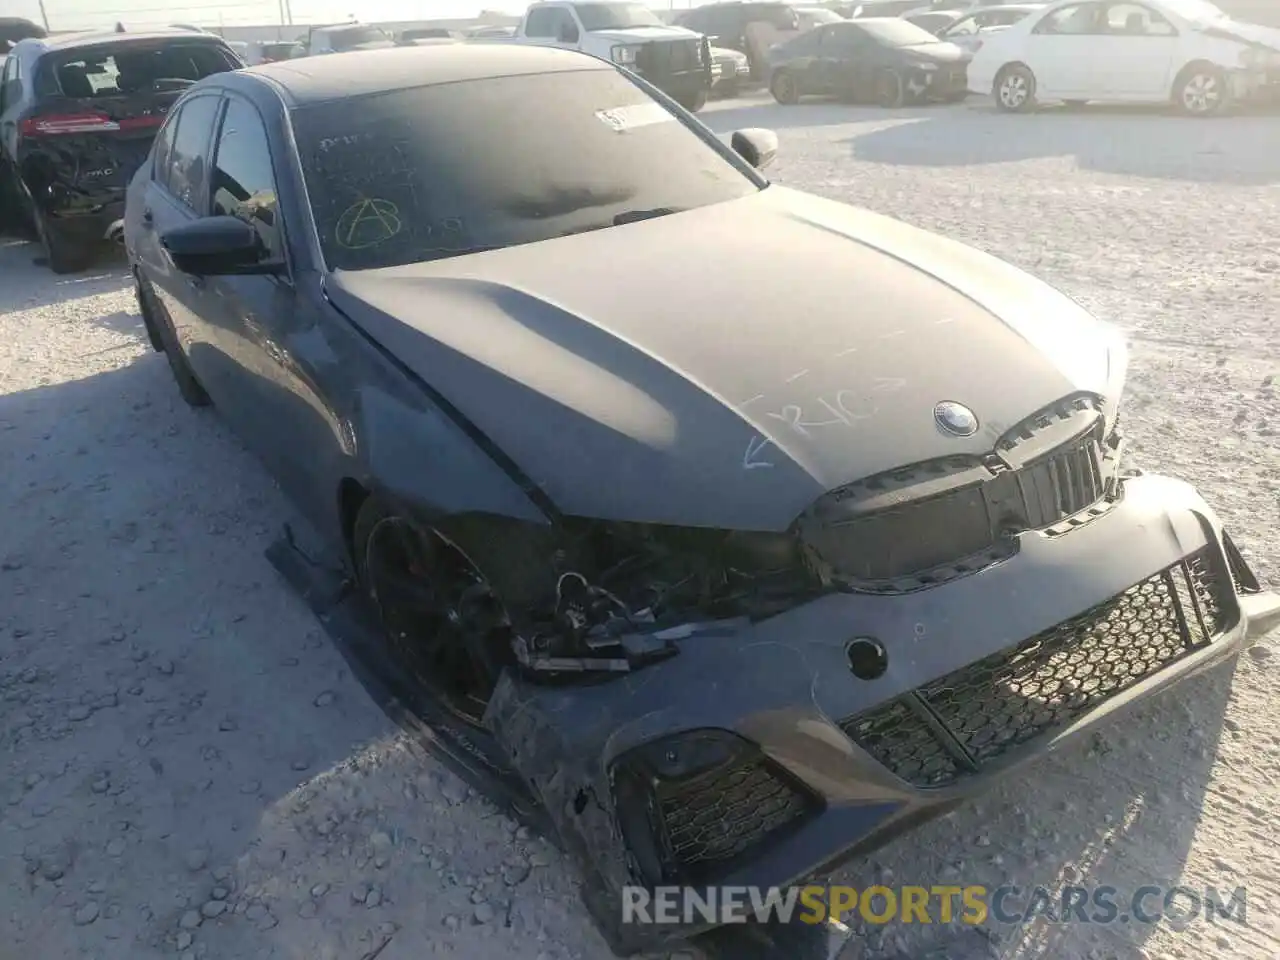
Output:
x=750 y=459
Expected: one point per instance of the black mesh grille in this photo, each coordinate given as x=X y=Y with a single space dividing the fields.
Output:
x=952 y=726
x=714 y=817
x=932 y=521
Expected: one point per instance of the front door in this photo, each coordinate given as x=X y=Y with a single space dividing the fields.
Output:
x=1063 y=52
x=261 y=320
x=1137 y=50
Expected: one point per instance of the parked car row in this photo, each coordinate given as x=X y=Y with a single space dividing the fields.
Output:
x=1185 y=52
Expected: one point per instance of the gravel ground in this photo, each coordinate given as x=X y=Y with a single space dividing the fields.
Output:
x=190 y=771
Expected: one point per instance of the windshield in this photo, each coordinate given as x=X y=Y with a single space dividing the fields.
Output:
x=114 y=70
x=433 y=172
x=349 y=37
x=896 y=33
x=1194 y=9
x=615 y=16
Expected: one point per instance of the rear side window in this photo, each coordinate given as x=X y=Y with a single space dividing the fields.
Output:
x=187 y=167
x=243 y=184
x=115 y=70
x=164 y=143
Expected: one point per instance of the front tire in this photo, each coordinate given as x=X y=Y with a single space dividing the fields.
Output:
x=446 y=630
x=693 y=102
x=1200 y=90
x=784 y=88
x=890 y=91
x=1015 y=89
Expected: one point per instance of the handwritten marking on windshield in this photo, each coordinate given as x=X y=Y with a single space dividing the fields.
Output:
x=945 y=320
x=891 y=335
x=622 y=119
x=796 y=376
x=366 y=223
x=845 y=353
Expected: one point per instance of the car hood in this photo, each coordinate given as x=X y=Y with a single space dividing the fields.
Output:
x=645 y=34
x=1251 y=33
x=726 y=366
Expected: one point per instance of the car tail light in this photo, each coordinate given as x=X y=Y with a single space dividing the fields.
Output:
x=69 y=123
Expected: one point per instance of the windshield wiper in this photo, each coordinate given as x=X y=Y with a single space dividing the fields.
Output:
x=631 y=216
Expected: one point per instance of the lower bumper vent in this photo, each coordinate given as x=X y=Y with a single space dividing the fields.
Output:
x=951 y=727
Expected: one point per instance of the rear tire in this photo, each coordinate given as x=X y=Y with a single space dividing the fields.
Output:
x=65 y=253
x=889 y=90
x=189 y=387
x=1015 y=89
x=144 y=296
x=784 y=88
x=1200 y=90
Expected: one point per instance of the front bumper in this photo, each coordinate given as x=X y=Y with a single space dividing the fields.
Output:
x=726 y=74
x=942 y=83
x=980 y=676
x=681 y=84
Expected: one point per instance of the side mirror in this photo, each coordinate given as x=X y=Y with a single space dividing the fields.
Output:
x=756 y=145
x=217 y=246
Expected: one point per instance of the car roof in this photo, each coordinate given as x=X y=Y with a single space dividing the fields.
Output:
x=339 y=76
x=70 y=41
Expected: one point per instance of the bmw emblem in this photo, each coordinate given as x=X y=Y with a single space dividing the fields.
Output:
x=955 y=419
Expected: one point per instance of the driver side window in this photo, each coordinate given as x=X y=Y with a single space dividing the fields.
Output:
x=1135 y=20
x=1075 y=20
x=965 y=28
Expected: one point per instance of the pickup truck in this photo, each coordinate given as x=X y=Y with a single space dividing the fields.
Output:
x=341 y=37
x=675 y=60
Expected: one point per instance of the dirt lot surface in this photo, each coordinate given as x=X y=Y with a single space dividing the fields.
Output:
x=188 y=770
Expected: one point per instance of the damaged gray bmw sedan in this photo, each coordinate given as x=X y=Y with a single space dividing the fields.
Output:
x=734 y=529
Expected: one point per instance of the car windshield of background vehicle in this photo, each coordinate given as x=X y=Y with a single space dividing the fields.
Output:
x=438 y=171
x=349 y=37
x=114 y=71
x=895 y=33
x=616 y=16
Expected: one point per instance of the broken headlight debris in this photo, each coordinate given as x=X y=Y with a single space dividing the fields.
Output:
x=650 y=587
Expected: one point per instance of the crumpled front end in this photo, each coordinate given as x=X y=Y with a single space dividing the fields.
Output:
x=948 y=627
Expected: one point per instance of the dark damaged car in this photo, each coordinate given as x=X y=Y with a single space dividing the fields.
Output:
x=735 y=577
x=78 y=113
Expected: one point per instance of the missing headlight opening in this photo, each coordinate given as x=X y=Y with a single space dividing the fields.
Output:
x=634 y=590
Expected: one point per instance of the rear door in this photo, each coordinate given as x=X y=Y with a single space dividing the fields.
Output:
x=177 y=193
x=98 y=108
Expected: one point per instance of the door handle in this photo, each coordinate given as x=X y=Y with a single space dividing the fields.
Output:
x=197 y=283
x=148 y=218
